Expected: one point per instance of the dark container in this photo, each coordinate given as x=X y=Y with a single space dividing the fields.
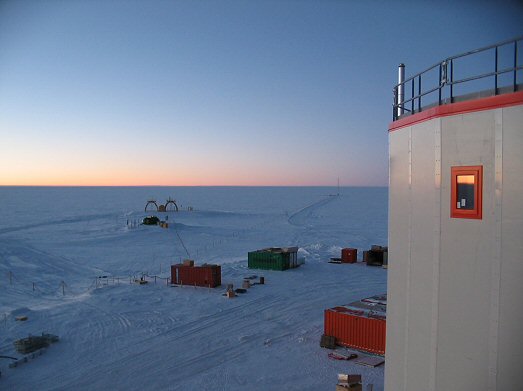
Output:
x=205 y=275
x=375 y=258
x=328 y=342
x=349 y=255
x=150 y=220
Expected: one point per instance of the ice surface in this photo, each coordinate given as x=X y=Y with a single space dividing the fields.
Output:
x=67 y=256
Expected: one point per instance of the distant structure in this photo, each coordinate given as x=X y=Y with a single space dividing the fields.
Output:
x=151 y=202
x=455 y=226
x=33 y=343
x=169 y=206
x=151 y=220
x=173 y=204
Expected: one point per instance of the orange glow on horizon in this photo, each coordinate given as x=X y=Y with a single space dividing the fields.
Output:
x=143 y=183
x=157 y=179
x=192 y=173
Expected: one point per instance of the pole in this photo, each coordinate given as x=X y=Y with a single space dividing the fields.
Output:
x=401 y=89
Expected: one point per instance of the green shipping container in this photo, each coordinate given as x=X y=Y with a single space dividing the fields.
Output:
x=268 y=260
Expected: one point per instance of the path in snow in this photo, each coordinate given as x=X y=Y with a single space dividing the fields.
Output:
x=300 y=217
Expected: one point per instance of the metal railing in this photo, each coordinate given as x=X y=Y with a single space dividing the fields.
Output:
x=410 y=94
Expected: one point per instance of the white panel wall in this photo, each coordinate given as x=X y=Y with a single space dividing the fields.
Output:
x=423 y=216
x=510 y=372
x=465 y=260
x=399 y=257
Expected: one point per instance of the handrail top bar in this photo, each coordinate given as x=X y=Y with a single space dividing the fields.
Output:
x=486 y=48
x=503 y=43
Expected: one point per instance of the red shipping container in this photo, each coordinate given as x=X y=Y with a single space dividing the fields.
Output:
x=360 y=325
x=205 y=275
x=349 y=255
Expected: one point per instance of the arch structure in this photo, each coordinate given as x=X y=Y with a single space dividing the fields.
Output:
x=172 y=202
x=151 y=202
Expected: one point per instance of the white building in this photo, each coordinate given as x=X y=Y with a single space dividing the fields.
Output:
x=455 y=283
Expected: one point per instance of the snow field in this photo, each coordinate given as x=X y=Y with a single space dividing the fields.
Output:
x=129 y=336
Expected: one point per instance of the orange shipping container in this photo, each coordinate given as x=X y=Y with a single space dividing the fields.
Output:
x=360 y=325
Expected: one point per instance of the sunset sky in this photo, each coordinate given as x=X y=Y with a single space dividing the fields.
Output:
x=217 y=92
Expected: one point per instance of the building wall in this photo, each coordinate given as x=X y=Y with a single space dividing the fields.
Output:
x=510 y=337
x=466 y=258
x=454 y=284
x=398 y=275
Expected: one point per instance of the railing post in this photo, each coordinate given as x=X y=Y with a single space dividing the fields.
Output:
x=443 y=75
x=442 y=78
x=412 y=97
x=439 y=88
x=514 y=85
x=400 y=90
x=451 y=81
x=496 y=72
x=419 y=92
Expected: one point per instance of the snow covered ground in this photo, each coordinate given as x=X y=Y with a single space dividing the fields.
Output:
x=55 y=243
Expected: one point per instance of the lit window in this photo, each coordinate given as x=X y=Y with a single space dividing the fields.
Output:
x=466 y=192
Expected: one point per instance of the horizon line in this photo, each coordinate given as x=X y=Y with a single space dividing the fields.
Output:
x=335 y=185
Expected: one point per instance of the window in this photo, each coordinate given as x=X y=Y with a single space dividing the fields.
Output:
x=466 y=192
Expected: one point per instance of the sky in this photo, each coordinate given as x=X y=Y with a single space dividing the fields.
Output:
x=218 y=93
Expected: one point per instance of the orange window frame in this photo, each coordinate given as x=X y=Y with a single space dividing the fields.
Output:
x=476 y=212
